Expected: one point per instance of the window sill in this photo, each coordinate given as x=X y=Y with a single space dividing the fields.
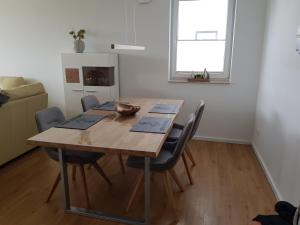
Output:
x=225 y=81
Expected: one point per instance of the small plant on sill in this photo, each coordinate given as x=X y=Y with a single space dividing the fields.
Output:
x=200 y=77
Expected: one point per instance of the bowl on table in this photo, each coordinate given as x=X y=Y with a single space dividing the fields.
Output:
x=125 y=109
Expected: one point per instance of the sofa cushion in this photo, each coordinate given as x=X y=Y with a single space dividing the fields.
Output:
x=25 y=91
x=11 y=82
x=3 y=97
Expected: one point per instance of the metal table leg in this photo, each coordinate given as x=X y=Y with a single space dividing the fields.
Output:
x=102 y=215
x=64 y=179
x=147 y=190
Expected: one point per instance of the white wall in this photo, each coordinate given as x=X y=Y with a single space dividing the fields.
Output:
x=34 y=33
x=278 y=107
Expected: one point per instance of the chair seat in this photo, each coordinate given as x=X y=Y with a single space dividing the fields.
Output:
x=170 y=145
x=78 y=157
x=175 y=132
x=157 y=164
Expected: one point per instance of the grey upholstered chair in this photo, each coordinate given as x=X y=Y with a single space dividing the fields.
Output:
x=89 y=102
x=164 y=163
x=50 y=117
x=178 y=128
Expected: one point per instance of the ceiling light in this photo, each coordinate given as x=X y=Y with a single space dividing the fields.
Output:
x=127 y=47
x=133 y=47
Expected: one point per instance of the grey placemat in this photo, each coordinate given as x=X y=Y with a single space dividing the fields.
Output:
x=107 y=106
x=152 y=125
x=81 y=122
x=165 y=109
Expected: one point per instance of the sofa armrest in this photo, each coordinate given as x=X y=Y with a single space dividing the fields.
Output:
x=25 y=91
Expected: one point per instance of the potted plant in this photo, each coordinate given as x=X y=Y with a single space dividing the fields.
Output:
x=200 y=77
x=79 y=45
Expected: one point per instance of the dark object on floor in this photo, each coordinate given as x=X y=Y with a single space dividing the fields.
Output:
x=286 y=211
x=3 y=98
x=271 y=220
x=285 y=216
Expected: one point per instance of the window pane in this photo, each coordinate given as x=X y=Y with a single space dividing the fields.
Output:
x=202 y=15
x=198 y=55
x=206 y=35
x=202 y=27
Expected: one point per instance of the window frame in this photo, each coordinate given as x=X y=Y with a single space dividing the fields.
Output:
x=226 y=74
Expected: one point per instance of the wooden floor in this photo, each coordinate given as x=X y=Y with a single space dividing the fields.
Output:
x=230 y=189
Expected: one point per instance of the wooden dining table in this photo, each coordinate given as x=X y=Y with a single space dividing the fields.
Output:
x=111 y=135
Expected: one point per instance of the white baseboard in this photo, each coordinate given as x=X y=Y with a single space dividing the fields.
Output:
x=225 y=140
x=267 y=173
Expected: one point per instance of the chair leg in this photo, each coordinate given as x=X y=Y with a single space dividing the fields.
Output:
x=74 y=172
x=170 y=193
x=57 y=179
x=85 y=185
x=101 y=172
x=135 y=190
x=189 y=154
x=187 y=169
x=121 y=163
x=175 y=178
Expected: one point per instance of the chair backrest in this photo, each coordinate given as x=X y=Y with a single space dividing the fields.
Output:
x=198 y=116
x=46 y=119
x=89 y=102
x=183 y=139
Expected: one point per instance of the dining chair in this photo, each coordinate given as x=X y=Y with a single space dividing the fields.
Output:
x=49 y=118
x=164 y=164
x=89 y=102
x=178 y=129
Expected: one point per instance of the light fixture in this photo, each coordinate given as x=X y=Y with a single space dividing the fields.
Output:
x=118 y=46
x=127 y=47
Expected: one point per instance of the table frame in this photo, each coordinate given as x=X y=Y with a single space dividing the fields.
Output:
x=56 y=139
x=102 y=215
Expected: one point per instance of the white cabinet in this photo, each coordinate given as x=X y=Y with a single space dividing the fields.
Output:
x=104 y=94
x=73 y=103
x=89 y=74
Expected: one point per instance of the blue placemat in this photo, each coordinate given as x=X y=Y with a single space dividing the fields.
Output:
x=81 y=122
x=152 y=125
x=165 y=109
x=107 y=106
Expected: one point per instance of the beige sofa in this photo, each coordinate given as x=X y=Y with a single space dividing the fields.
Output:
x=17 y=116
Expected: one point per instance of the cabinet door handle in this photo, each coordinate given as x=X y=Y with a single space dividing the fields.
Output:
x=77 y=90
x=91 y=91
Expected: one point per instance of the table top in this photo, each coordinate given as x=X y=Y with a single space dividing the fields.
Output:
x=111 y=135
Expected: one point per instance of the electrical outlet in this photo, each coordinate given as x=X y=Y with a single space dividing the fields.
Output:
x=298 y=40
x=257 y=131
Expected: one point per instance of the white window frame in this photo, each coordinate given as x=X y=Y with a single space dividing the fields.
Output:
x=173 y=74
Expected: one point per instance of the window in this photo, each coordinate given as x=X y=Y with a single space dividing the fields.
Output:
x=201 y=37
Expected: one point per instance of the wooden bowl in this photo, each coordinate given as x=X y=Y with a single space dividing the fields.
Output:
x=125 y=109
